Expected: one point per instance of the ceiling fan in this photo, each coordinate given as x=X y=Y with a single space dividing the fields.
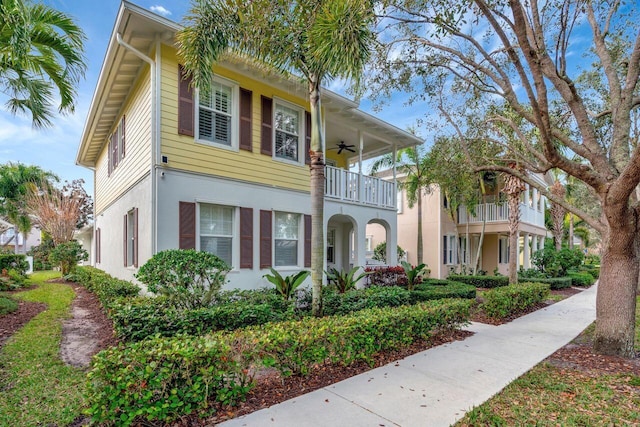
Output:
x=342 y=146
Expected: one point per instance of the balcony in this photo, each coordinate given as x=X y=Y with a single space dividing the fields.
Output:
x=352 y=187
x=499 y=212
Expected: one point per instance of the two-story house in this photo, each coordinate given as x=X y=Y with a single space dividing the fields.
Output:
x=224 y=171
x=454 y=243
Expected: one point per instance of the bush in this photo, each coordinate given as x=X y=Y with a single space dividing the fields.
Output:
x=415 y=275
x=11 y=280
x=434 y=289
x=344 y=281
x=41 y=253
x=334 y=303
x=481 y=281
x=161 y=379
x=557 y=263
x=593 y=270
x=583 y=279
x=553 y=282
x=15 y=262
x=142 y=318
x=67 y=255
x=380 y=252
x=188 y=278
x=7 y=305
x=386 y=276
x=286 y=286
x=505 y=301
x=108 y=289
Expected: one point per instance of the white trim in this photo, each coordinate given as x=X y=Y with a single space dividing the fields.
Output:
x=235 y=116
x=235 y=231
x=299 y=240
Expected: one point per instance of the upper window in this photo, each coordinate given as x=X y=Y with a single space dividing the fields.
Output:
x=216 y=231
x=117 y=145
x=288 y=132
x=217 y=114
x=287 y=232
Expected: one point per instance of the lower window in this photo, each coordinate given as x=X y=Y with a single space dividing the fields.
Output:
x=287 y=231
x=216 y=231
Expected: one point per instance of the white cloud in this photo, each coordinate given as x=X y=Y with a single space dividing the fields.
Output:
x=160 y=10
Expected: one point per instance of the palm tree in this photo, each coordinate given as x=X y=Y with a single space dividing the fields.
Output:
x=513 y=188
x=318 y=39
x=16 y=181
x=558 y=213
x=41 y=49
x=414 y=165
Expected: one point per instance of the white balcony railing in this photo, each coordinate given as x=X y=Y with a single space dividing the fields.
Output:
x=499 y=212
x=341 y=184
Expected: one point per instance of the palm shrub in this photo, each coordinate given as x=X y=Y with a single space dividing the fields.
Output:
x=414 y=274
x=187 y=278
x=344 y=281
x=286 y=286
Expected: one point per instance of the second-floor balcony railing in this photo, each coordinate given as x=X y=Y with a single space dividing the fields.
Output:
x=341 y=184
x=499 y=212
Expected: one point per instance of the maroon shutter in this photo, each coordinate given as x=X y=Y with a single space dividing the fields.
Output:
x=266 y=136
x=246 y=105
x=246 y=238
x=110 y=154
x=265 y=239
x=307 y=240
x=185 y=104
x=307 y=137
x=135 y=237
x=97 y=257
x=122 y=137
x=187 y=225
x=124 y=241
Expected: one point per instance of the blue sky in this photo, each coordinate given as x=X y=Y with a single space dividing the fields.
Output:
x=55 y=148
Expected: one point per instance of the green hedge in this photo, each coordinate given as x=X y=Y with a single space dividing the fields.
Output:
x=164 y=378
x=359 y=299
x=140 y=318
x=481 y=281
x=432 y=289
x=108 y=289
x=16 y=262
x=505 y=301
x=553 y=282
x=593 y=270
x=584 y=279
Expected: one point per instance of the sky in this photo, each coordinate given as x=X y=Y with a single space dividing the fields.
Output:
x=54 y=149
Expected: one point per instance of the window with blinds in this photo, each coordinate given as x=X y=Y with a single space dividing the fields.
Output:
x=287 y=132
x=216 y=231
x=286 y=236
x=215 y=114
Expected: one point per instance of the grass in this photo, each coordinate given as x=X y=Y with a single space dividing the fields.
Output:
x=36 y=387
x=7 y=305
x=550 y=396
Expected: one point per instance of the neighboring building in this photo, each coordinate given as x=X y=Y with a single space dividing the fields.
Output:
x=223 y=172
x=449 y=246
x=10 y=238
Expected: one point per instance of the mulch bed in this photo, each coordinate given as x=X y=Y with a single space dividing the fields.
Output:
x=272 y=388
x=10 y=323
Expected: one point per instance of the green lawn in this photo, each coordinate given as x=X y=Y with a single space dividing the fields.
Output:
x=550 y=396
x=36 y=387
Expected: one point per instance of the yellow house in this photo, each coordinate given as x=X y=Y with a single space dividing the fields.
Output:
x=453 y=244
x=226 y=171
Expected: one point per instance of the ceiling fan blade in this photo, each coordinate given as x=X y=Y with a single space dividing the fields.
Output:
x=340 y=150
x=350 y=149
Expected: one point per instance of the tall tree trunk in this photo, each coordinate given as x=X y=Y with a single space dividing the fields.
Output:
x=317 y=196
x=420 y=257
x=481 y=240
x=570 y=230
x=514 y=223
x=557 y=214
x=616 y=299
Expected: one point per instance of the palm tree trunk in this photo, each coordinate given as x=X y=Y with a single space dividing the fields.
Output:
x=317 y=196
x=570 y=230
x=514 y=222
x=420 y=257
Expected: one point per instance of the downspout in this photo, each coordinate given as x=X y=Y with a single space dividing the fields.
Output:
x=154 y=131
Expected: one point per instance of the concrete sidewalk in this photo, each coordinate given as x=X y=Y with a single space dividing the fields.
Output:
x=437 y=386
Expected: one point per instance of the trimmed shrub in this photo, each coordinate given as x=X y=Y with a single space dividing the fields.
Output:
x=593 y=270
x=161 y=379
x=17 y=262
x=481 y=281
x=505 y=301
x=386 y=276
x=67 y=255
x=432 y=291
x=358 y=299
x=7 y=305
x=553 y=282
x=584 y=279
x=108 y=289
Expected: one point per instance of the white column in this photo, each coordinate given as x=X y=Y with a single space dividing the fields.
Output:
x=526 y=256
x=541 y=246
x=361 y=195
x=534 y=245
x=526 y=195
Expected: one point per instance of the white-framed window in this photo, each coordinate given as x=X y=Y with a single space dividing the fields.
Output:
x=464 y=256
x=286 y=239
x=368 y=243
x=503 y=250
x=217 y=230
x=331 y=241
x=450 y=248
x=116 y=147
x=217 y=114
x=288 y=131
